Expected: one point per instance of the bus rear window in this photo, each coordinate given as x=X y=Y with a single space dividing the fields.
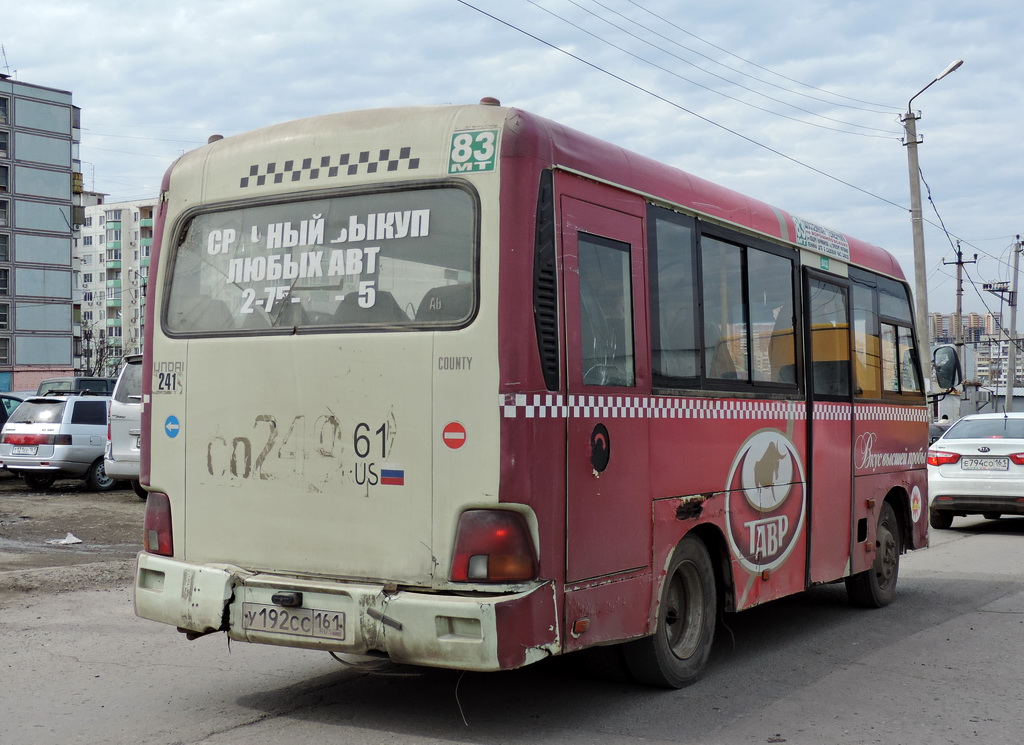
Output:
x=390 y=260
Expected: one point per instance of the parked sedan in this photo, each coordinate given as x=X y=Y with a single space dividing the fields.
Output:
x=977 y=468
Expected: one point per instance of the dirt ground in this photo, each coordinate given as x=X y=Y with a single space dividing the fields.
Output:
x=109 y=526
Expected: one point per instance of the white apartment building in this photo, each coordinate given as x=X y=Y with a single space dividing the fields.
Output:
x=111 y=260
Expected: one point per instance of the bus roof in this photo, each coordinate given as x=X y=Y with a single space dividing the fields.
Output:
x=549 y=141
x=528 y=135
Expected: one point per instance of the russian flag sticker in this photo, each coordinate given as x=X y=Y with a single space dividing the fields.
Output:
x=392 y=475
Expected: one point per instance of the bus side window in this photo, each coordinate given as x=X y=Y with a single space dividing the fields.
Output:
x=866 y=341
x=830 y=340
x=890 y=366
x=674 y=347
x=606 y=312
x=772 y=325
x=725 y=326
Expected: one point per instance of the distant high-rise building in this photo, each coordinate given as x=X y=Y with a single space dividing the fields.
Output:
x=974 y=327
x=40 y=188
x=112 y=269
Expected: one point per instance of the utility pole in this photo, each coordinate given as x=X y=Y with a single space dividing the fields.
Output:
x=920 y=271
x=1011 y=376
x=958 y=339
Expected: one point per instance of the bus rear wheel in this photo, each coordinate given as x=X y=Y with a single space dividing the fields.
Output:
x=675 y=655
x=876 y=587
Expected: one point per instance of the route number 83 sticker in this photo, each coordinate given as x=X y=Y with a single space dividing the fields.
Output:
x=473 y=152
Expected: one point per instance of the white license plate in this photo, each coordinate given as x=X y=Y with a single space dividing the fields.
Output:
x=321 y=624
x=23 y=450
x=984 y=464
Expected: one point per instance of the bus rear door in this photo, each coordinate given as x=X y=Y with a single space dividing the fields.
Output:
x=608 y=513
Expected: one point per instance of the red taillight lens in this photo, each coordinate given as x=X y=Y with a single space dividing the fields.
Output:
x=941 y=458
x=1018 y=458
x=15 y=439
x=493 y=546
x=158 y=538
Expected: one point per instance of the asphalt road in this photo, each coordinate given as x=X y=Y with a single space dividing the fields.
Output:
x=941 y=665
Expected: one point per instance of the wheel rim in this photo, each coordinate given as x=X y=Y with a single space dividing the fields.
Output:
x=102 y=480
x=684 y=611
x=888 y=557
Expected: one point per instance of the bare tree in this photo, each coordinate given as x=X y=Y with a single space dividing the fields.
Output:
x=100 y=357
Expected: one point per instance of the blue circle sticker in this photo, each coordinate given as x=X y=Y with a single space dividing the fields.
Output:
x=172 y=426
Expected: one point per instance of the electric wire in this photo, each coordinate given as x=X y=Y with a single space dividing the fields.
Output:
x=661 y=98
x=674 y=74
x=754 y=64
x=713 y=61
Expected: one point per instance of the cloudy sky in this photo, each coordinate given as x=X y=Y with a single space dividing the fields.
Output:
x=795 y=102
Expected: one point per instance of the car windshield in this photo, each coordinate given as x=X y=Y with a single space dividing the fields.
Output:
x=969 y=429
x=38 y=412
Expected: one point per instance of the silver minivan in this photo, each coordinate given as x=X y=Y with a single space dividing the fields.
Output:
x=51 y=437
x=121 y=459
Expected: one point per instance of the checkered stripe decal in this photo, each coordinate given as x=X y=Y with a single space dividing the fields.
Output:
x=881 y=413
x=556 y=406
x=330 y=166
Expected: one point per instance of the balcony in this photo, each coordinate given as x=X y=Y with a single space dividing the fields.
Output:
x=114 y=283
x=113 y=322
x=113 y=302
x=113 y=263
x=113 y=244
x=146 y=241
x=146 y=222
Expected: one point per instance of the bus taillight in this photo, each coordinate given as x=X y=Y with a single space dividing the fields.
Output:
x=493 y=546
x=157 y=525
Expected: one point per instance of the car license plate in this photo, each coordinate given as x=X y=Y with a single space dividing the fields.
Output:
x=321 y=624
x=23 y=450
x=984 y=464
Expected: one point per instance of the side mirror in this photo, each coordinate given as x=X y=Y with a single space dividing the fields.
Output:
x=947 y=367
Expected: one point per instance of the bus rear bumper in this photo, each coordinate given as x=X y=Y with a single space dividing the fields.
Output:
x=466 y=632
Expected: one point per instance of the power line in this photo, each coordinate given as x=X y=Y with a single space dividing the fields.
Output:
x=661 y=98
x=708 y=88
x=733 y=69
x=754 y=64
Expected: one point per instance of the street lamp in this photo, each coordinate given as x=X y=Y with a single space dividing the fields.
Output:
x=920 y=274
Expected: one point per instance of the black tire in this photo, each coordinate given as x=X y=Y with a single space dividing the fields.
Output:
x=40 y=481
x=876 y=587
x=96 y=478
x=140 y=492
x=940 y=520
x=675 y=655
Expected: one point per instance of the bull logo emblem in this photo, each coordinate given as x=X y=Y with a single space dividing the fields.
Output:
x=765 y=506
x=768 y=475
x=766 y=470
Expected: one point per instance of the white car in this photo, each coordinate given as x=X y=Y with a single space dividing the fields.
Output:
x=124 y=425
x=60 y=436
x=977 y=468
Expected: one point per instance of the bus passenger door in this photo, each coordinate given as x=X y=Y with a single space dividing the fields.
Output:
x=830 y=428
x=608 y=511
